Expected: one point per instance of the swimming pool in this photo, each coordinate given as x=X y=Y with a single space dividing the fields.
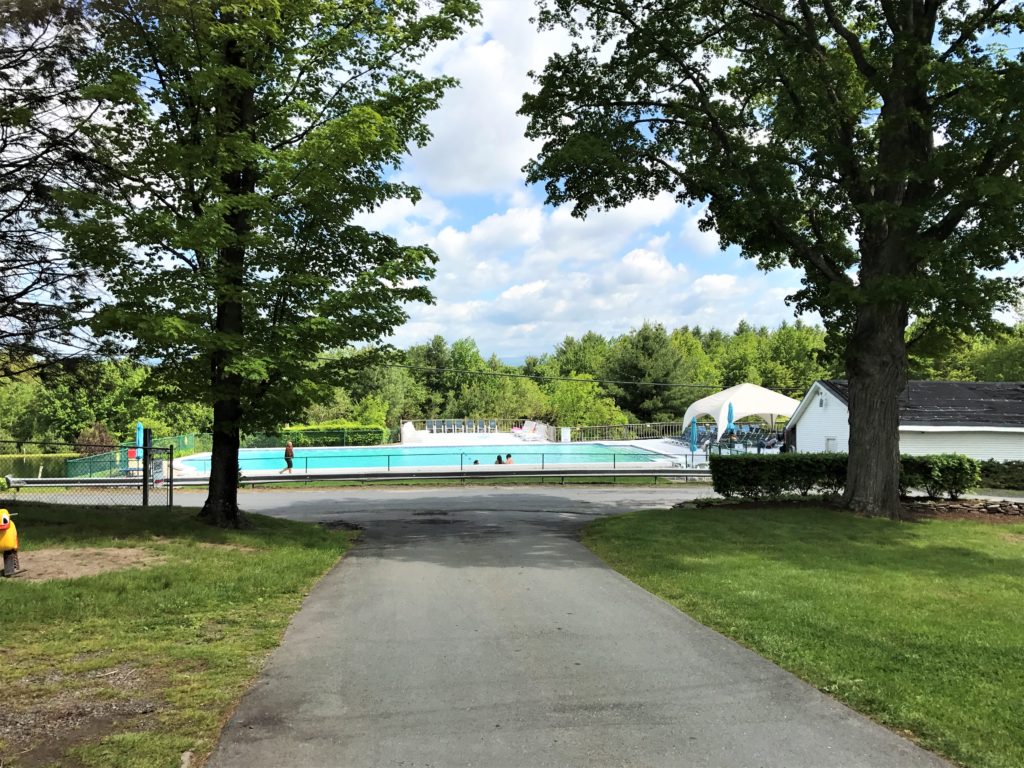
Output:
x=259 y=460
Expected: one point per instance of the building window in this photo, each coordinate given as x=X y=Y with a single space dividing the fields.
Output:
x=830 y=445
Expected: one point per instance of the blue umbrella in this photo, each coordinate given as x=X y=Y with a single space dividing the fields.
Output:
x=138 y=434
x=693 y=435
x=730 y=427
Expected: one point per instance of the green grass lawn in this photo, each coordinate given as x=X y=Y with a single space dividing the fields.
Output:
x=135 y=667
x=919 y=625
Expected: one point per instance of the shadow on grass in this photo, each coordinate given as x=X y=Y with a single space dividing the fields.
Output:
x=48 y=525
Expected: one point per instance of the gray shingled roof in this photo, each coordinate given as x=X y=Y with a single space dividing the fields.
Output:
x=955 y=403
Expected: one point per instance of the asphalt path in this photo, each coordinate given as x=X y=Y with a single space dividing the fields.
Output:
x=471 y=628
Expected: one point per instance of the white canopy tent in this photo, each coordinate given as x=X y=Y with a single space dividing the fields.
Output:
x=747 y=400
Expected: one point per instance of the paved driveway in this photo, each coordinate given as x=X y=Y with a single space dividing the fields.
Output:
x=472 y=629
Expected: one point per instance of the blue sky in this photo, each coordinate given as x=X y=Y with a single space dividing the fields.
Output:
x=518 y=276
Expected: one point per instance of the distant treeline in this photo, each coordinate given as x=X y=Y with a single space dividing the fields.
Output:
x=584 y=381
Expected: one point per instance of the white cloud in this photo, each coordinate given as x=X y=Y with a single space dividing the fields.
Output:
x=518 y=276
x=479 y=144
x=703 y=243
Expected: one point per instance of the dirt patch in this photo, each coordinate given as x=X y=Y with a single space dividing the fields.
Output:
x=48 y=564
x=79 y=708
x=236 y=547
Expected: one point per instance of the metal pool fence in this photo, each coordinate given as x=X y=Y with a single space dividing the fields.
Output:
x=75 y=473
x=461 y=458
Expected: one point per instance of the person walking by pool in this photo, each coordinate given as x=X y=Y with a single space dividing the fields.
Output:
x=499 y=460
x=508 y=458
x=289 y=458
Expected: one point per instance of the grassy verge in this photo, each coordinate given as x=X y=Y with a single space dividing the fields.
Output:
x=918 y=625
x=134 y=667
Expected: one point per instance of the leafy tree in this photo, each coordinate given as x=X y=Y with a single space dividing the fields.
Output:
x=940 y=356
x=503 y=396
x=585 y=355
x=372 y=409
x=697 y=366
x=647 y=358
x=798 y=349
x=17 y=410
x=873 y=144
x=542 y=367
x=333 y=405
x=95 y=439
x=1001 y=360
x=742 y=357
x=42 y=295
x=464 y=359
x=428 y=365
x=245 y=137
x=582 y=402
x=403 y=394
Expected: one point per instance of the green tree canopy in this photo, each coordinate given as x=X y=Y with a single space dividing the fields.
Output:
x=647 y=358
x=43 y=297
x=245 y=138
x=873 y=144
x=585 y=355
x=581 y=402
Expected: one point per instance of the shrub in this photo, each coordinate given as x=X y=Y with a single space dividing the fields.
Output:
x=1002 y=474
x=307 y=436
x=770 y=476
x=95 y=439
x=947 y=474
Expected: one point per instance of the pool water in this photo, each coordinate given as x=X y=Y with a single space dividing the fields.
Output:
x=396 y=457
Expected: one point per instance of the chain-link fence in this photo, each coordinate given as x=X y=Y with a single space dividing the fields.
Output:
x=73 y=473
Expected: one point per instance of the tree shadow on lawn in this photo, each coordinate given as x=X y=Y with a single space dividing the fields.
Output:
x=825 y=540
x=45 y=525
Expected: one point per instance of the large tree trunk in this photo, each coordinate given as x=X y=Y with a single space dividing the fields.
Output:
x=876 y=364
x=221 y=506
x=876 y=357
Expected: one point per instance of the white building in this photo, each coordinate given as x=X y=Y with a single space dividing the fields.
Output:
x=983 y=420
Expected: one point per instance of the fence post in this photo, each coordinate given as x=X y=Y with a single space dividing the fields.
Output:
x=170 y=478
x=147 y=443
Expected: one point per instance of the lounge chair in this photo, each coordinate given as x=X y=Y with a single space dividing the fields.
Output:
x=492 y=425
x=534 y=432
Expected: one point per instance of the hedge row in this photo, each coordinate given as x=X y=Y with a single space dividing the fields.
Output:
x=772 y=475
x=304 y=437
x=1003 y=474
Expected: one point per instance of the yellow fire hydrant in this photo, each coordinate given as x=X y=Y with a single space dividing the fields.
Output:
x=8 y=543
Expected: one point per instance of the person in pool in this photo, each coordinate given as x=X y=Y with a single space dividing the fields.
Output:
x=499 y=460
x=508 y=458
